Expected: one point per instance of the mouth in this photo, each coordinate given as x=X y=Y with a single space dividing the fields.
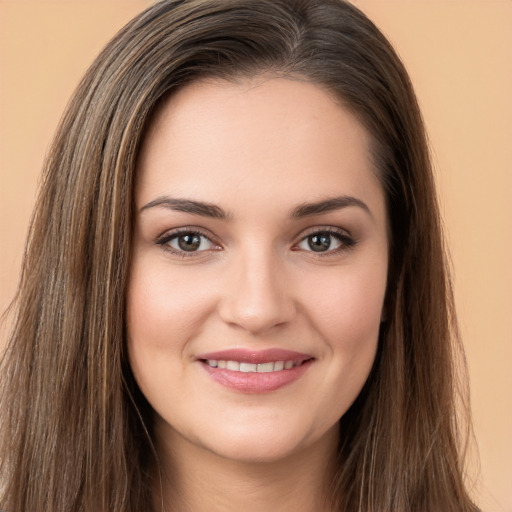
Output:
x=240 y=366
x=255 y=371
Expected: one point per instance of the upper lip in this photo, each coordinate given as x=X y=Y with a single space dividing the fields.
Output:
x=256 y=356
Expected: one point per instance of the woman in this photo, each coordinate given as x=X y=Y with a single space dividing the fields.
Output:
x=235 y=291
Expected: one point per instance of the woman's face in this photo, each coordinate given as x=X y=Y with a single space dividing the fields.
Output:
x=259 y=266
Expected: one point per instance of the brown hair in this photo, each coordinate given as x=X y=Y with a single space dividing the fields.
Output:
x=75 y=430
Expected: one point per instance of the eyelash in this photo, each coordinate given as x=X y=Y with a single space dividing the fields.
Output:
x=168 y=237
x=345 y=240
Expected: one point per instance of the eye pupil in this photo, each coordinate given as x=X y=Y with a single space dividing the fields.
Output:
x=189 y=242
x=319 y=242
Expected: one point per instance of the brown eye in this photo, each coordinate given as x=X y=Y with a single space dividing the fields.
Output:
x=326 y=242
x=319 y=242
x=188 y=241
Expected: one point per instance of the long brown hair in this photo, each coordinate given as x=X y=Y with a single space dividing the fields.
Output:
x=76 y=433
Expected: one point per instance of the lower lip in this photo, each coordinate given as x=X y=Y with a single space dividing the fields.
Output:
x=254 y=382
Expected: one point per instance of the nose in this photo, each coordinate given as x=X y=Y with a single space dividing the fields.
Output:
x=258 y=297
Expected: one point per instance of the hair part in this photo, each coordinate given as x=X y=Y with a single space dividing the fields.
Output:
x=76 y=433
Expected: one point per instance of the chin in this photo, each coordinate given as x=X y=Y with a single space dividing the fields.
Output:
x=264 y=443
x=255 y=451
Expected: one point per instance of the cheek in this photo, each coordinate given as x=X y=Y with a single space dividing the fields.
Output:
x=164 y=311
x=347 y=307
x=163 y=305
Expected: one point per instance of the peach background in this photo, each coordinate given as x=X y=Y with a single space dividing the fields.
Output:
x=459 y=54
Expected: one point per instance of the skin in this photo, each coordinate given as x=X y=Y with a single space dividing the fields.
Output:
x=258 y=149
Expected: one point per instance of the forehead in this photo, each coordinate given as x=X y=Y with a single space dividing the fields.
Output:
x=255 y=139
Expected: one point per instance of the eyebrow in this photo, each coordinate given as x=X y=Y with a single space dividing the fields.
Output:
x=328 y=205
x=188 y=206
x=211 y=210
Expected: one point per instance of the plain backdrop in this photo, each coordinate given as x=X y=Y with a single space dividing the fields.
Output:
x=459 y=55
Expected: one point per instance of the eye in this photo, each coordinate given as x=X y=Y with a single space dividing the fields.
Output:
x=186 y=242
x=325 y=241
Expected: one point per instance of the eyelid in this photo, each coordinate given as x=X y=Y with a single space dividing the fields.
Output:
x=347 y=241
x=164 y=239
x=323 y=229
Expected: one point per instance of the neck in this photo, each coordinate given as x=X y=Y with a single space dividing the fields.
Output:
x=196 y=480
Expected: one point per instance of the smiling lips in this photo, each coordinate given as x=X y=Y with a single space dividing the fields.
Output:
x=255 y=371
x=269 y=367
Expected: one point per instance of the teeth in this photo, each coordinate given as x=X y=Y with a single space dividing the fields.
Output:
x=236 y=366
x=279 y=365
x=265 y=367
x=248 y=367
